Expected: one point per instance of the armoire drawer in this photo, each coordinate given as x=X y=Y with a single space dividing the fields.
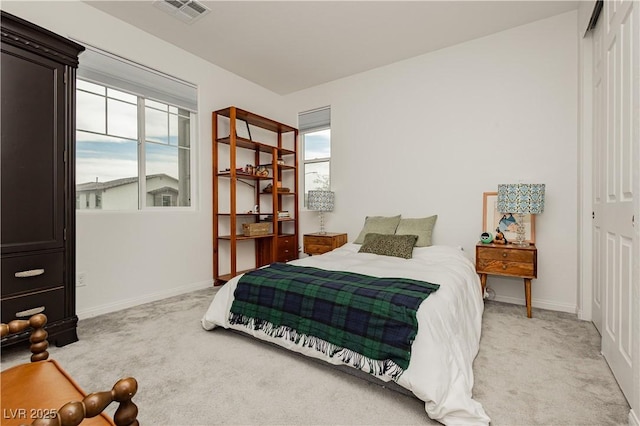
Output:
x=25 y=274
x=49 y=302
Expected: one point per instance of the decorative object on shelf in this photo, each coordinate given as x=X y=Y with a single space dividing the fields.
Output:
x=262 y=171
x=505 y=223
x=321 y=201
x=254 y=229
x=486 y=237
x=520 y=199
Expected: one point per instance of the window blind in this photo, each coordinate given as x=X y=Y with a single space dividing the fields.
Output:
x=111 y=70
x=314 y=119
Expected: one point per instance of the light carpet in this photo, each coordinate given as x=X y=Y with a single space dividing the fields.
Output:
x=546 y=370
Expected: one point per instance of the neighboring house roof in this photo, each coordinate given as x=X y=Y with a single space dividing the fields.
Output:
x=163 y=190
x=95 y=186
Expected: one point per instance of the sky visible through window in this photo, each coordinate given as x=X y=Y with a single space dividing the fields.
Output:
x=111 y=152
x=317 y=144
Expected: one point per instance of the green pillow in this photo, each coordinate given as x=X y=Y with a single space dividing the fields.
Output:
x=389 y=245
x=422 y=227
x=378 y=225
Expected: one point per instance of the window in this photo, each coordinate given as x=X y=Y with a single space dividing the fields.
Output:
x=315 y=129
x=133 y=141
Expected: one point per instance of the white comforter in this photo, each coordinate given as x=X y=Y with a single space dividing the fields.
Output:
x=449 y=323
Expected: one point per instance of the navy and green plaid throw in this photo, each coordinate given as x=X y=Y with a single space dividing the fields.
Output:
x=360 y=318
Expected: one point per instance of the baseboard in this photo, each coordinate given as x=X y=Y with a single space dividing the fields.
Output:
x=152 y=297
x=538 y=303
x=633 y=419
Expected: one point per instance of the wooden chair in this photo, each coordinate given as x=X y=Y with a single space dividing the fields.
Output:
x=43 y=393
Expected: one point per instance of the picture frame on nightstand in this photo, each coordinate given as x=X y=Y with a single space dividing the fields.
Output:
x=506 y=222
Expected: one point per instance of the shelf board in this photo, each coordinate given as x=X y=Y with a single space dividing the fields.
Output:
x=249 y=144
x=256 y=120
x=240 y=237
x=280 y=166
x=246 y=176
x=279 y=193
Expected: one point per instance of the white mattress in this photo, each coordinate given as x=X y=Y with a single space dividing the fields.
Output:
x=449 y=323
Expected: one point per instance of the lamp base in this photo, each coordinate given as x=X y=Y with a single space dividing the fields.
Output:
x=520 y=241
x=520 y=244
x=322 y=231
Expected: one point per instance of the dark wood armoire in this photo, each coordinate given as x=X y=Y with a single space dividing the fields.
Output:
x=37 y=177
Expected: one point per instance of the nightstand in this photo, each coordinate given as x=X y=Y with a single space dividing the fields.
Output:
x=317 y=243
x=510 y=261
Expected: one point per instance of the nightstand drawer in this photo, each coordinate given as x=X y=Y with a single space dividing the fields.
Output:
x=503 y=267
x=317 y=245
x=322 y=243
x=505 y=254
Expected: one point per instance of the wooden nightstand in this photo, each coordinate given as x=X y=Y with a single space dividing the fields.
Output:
x=510 y=261
x=317 y=243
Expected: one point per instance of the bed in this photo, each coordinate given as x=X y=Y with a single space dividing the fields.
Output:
x=449 y=324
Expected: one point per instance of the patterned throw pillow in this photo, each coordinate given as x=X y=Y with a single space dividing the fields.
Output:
x=389 y=245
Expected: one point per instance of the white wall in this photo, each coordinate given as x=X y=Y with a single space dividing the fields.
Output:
x=134 y=257
x=424 y=136
x=429 y=135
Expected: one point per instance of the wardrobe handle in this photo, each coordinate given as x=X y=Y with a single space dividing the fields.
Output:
x=30 y=312
x=29 y=273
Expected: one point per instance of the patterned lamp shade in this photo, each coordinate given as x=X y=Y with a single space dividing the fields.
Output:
x=321 y=201
x=522 y=198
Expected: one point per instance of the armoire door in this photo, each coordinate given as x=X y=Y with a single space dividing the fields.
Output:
x=33 y=144
x=616 y=187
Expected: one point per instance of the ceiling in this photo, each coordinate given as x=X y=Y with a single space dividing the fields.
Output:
x=286 y=46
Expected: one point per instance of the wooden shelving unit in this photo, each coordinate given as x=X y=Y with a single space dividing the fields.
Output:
x=274 y=147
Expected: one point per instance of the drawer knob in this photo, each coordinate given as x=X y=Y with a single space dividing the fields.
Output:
x=504 y=254
x=29 y=273
x=504 y=266
x=30 y=312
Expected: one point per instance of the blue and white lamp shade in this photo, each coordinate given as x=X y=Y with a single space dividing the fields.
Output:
x=321 y=201
x=523 y=198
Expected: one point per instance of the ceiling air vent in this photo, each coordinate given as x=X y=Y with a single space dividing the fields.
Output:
x=187 y=11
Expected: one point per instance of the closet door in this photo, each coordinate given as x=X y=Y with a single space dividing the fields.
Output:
x=616 y=190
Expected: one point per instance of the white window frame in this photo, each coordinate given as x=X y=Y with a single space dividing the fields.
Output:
x=313 y=160
x=310 y=122
x=114 y=72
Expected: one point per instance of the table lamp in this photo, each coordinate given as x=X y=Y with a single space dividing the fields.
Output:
x=321 y=201
x=521 y=199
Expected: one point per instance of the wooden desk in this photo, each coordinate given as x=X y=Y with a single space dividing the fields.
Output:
x=510 y=261
x=318 y=243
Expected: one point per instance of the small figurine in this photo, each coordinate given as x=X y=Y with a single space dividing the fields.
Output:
x=486 y=237
x=499 y=238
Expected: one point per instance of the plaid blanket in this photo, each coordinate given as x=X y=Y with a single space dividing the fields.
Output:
x=362 y=319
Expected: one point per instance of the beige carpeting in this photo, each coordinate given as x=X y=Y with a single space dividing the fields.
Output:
x=541 y=371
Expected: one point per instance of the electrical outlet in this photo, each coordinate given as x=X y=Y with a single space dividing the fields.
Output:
x=81 y=279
